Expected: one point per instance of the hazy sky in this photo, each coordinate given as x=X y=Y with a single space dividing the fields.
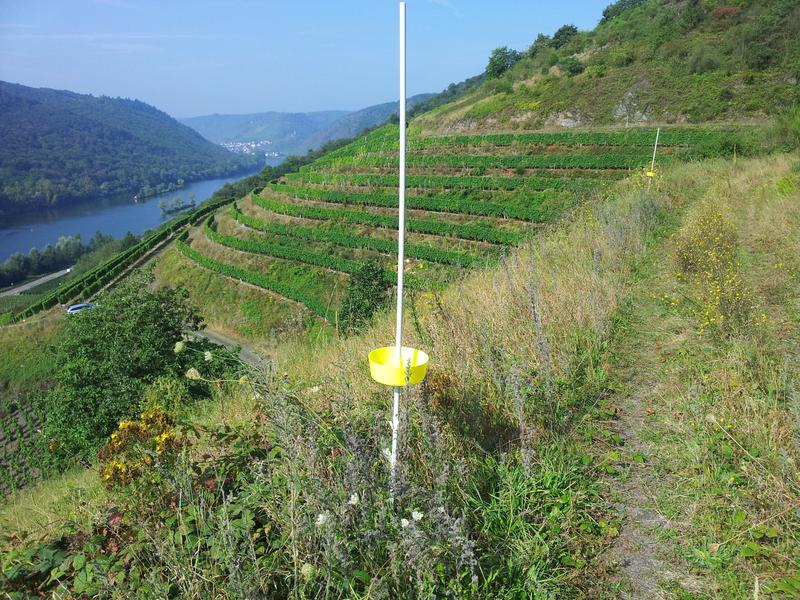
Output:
x=236 y=56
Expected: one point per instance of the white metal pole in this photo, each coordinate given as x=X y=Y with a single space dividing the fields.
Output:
x=653 y=163
x=655 y=149
x=401 y=238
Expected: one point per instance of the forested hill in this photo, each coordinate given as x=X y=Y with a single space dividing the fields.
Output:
x=57 y=147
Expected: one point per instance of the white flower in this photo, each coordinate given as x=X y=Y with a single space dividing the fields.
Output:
x=404 y=523
x=179 y=347
x=387 y=454
x=207 y=356
x=193 y=374
x=353 y=500
x=322 y=518
x=416 y=515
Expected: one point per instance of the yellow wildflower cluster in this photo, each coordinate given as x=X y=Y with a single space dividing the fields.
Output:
x=706 y=242
x=117 y=472
x=136 y=444
x=707 y=251
x=164 y=441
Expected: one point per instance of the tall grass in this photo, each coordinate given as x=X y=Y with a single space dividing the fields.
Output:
x=498 y=494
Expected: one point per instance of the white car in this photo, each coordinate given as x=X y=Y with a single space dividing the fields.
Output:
x=76 y=308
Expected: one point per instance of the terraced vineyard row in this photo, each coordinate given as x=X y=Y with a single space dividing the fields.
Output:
x=439 y=182
x=17 y=430
x=541 y=161
x=386 y=140
x=334 y=213
x=535 y=210
x=256 y=279
x=343 y=237
x=479 y=231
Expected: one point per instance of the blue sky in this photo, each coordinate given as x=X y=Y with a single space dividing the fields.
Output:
x=240 y=56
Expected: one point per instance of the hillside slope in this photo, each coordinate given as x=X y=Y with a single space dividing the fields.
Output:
x=647 y=61
x=58 y=147
x=515 y=450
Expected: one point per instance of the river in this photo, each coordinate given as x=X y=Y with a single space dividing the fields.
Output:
x=115 y=216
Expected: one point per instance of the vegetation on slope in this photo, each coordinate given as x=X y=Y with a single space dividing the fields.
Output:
x=705 y=367
x=648 y=60
x=510 y=449
x=60 y=147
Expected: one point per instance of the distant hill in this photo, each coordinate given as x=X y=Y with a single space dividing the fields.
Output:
x=58 y=147
x=647 y=61
x=284 y=130
x=294 y=133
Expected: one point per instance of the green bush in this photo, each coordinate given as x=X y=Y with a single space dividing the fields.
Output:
x=367 y=293
x=105 y=358
x=571 y=65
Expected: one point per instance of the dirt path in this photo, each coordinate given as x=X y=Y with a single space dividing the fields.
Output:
x=648 y=566
x=246 y=354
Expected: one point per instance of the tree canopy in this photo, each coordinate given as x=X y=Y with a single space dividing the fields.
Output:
x=500 y=61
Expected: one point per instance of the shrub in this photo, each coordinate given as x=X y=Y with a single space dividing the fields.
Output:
x=107 y=356
x=787 y=128
x=703 y=60
x=503 y=87
x=572 y=66
x=366 y=294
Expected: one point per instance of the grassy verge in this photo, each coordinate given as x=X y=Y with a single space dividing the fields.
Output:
x=708 y=354
x=235 y=309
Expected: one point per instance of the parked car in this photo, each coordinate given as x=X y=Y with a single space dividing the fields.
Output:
x=76 y=308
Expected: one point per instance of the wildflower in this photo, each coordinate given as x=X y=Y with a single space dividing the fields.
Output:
x=404 y=523
x=353 y=500
x=416 y=515
x=207 y=356
x=193 y=374
x=179 y=347
x=322 y=518
x=307 y=571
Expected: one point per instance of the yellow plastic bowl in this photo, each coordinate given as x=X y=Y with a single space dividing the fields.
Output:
x=386 y=367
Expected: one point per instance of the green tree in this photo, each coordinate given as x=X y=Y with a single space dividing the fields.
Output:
x=563 y=35
x=105 y=358
x=500 y=61
x=366 y=294
x=542 y=42
x=616 y=9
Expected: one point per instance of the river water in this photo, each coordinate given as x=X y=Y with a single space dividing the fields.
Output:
x=20 y=233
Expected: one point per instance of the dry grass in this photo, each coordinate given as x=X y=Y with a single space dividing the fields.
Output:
x=574 y=276
x=722 y=431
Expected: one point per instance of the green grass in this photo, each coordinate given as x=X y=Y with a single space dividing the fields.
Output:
x=715 y=422
x=242 y=312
